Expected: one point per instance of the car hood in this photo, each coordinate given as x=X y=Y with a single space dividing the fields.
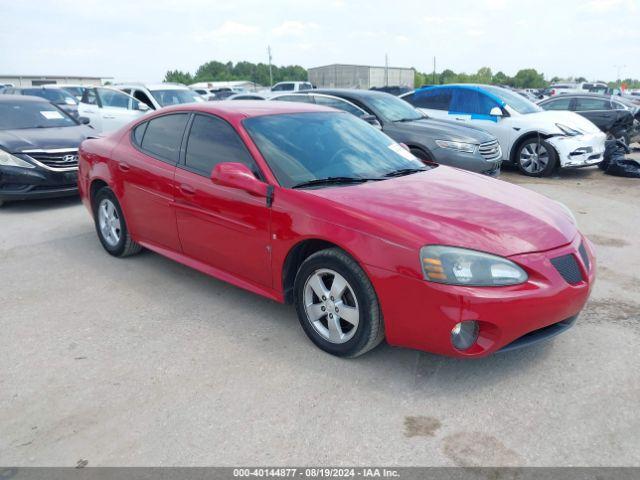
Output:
x=15 y=141
x=547 y=120
x=445 y=130
x=447 y=206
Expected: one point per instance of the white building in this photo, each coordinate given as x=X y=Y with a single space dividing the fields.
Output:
x=37 y=80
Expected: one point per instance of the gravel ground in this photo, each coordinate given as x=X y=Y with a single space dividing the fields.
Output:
x=143 y=362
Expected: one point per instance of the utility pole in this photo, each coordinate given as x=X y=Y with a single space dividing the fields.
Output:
x=619 y=67
x=270 y=73
x=434 y=70
x=386 y=70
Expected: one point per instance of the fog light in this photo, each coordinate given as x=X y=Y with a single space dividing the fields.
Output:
x=464 y=334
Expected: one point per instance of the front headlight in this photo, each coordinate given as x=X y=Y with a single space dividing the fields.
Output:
x=568 y=131
x=8 y=160
x=460 y=146
x=459 y=266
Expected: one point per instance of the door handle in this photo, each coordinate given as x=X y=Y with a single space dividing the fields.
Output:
x=124 y=167
x=461 y=119
x=187 y=189
x=109 y=117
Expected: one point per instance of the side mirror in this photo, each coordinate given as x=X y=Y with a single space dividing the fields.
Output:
x=496 y=112
x=84 y=120
x=239 y=176
x=143 y=107
x=372 y=120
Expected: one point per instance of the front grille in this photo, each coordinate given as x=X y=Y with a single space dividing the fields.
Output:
x=490 y=151
x=59 y=159
x=567 y=266
x=584 y=256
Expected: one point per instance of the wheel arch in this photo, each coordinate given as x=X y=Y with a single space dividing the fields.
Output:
x=524 y=137
x=297 y=255
x=96 y=184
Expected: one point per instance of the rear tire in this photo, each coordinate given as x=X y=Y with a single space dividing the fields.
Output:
x=111 y=226
x=337 y=305
x=536 y=157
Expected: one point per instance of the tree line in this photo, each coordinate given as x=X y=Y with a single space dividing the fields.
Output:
x=259 y=73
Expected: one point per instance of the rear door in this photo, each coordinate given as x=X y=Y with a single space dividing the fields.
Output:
x=147 y=169
x=89 y=107
x=225 y=228
x=117 y=109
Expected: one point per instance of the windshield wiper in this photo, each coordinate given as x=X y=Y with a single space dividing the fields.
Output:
x=403 y=171
x=333 y=181
x=408 y=119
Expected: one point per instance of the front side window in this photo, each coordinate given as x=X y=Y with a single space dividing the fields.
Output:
x=340 y=105
x=590 y=104
x=516 y=102
x=390 y=108
x=305 y=86
x=21 y=114
x=90 y=97
x=283 y=87
x=114 y=99
x=212 y=141
x=433 y=98
x=558 y=104
x=163 y=136
x=302 y=147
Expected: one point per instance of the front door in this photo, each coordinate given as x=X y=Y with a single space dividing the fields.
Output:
x=225 y=228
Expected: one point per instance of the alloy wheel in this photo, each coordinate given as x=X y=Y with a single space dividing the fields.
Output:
x=331 y=306
x=109 y=222
x=534 y=157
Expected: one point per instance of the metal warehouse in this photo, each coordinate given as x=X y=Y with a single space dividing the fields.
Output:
x=37 y=80
x=361 y=76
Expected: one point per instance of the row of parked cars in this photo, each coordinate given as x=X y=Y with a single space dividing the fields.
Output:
x=473 y=127
x=336 y=201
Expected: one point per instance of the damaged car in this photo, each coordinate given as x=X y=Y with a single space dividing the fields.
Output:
x=535 y=140
x=609 y=114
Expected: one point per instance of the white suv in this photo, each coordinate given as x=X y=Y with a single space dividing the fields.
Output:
x=533 y=139
x=291 y=87
x=161 y=94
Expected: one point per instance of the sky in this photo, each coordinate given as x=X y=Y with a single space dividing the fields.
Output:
x=141 y=39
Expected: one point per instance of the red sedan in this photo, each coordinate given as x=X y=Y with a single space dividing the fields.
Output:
x=311 y=206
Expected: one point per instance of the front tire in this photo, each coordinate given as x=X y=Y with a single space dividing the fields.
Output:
x=536 y=158
x=337 y=305
x=111 y=226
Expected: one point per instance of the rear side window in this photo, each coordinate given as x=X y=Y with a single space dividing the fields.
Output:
x=138 y=133
x=295 y=98
x=587 y=104
x=163 y=136
x=212 y=141
x=436 y=99
x=559 y=104
x=471 y=102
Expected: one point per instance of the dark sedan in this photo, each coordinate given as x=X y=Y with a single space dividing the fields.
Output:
x=38 y=149
x=56 y=95
x=428 y=139
x=609 y=114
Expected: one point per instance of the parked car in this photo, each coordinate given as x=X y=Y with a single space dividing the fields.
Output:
x=246 y=96
x=428 y=139
x=291 y=86
x=225 y=93
x=75 y=90
x=307 y=205
x=161 y=94
x=109 y=109
x=52 y=93
x=38 y=149
x=610 y=115
x=393 y=90
x=562 y=89
x=206 y=93
x=535 y=140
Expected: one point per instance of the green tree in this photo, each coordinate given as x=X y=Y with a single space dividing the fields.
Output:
x=529 y=78
x=483 y=75
x=501 y=78
x=177 y=76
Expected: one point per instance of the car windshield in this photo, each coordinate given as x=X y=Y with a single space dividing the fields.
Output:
x=513 y=100
x=303 y=147
x=391 y=108
x=175 y=97
x=55 y=95
x=19 y=115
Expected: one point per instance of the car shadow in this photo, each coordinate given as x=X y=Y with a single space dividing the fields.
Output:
x=35 y=205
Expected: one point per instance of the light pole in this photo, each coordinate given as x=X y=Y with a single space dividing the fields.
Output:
x=270 y=74
x=619 y=67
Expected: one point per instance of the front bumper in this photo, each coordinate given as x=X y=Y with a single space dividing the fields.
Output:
x=420 y=314
x=579 y=151
x=472 y=162
x=25 y=183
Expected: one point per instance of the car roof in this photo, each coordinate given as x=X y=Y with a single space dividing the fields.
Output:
x=349 y=92
x=575 y=95
x=153 y=86
x=249 y=108
x=22 y=98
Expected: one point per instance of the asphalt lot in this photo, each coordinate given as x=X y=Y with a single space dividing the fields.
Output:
x=142 y=361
